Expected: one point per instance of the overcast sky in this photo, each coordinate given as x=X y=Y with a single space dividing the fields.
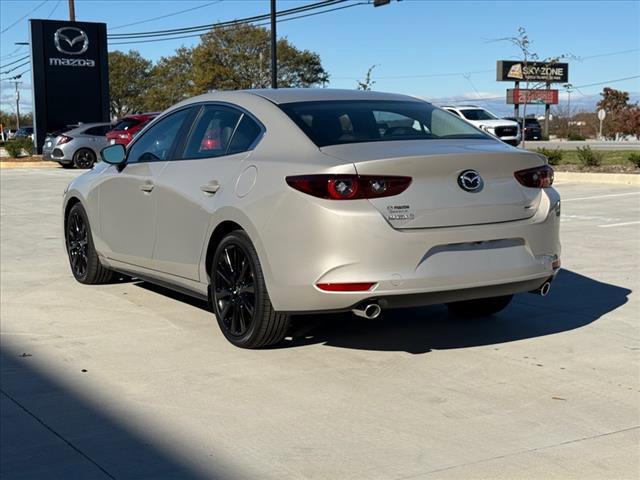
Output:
x=435 y=50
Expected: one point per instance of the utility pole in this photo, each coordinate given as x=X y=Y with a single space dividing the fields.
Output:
x=274 y=47
x=16 y=82
x=72 y=11
x=568 y=86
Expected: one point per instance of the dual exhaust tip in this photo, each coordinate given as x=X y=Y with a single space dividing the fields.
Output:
x=373 y=310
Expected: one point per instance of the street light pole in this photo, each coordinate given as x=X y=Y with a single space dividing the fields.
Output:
x=568 y=87
x=274 y=47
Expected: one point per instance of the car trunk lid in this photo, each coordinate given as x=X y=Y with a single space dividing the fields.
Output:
x=436 y=197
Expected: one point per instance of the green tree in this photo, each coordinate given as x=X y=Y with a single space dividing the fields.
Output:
x=620 y=117
x=129 y=80
x=8 y=119
x=171 y=80
x=239 y=57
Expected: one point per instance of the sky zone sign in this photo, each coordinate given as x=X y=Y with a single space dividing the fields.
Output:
x=510 y=71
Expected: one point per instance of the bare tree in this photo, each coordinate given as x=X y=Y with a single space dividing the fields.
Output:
x=368 y=82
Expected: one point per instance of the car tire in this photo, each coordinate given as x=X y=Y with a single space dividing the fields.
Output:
x=239 y=295
x=84 y=158
x=83 y=258
x=481 y=307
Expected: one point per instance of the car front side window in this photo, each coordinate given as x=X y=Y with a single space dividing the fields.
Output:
x=156 y=143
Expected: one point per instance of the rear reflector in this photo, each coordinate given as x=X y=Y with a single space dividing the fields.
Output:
x=345 y=287
x=349 y=186
x=536 y=177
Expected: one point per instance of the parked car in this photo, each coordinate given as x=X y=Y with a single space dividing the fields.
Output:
x=9 y=133
x=125 y=129
x=24 y=132
x=78 y=147
x=506 y=130
x=275 y=202
x=532 y=128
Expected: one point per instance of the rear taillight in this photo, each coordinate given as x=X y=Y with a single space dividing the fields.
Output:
x=536 y=177
x=348 y=186
x=64 y=139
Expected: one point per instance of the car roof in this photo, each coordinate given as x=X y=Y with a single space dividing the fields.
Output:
x=84 y=126
x=292 y=95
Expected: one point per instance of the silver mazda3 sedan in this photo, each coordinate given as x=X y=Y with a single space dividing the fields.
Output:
x=274 y=202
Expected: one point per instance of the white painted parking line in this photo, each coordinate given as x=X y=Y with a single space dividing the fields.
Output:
x=600 y=196
x=624 y=224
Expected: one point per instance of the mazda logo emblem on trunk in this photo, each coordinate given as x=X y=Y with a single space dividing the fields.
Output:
x=71 y=40
x=470 y=181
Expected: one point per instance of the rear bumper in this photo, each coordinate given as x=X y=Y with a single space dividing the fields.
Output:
x=419 y=266
x=56 y=155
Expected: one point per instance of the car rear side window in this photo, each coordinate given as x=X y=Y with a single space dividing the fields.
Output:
x=352 y=121
x=245 y=136
x=126 y=124
x=212 y=132
x=156 y=143
x=98 y=131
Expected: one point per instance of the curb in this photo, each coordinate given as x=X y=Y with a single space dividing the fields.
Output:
x=611 y=178
x=4 y=165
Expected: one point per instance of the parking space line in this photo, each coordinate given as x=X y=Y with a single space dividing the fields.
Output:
x=623 y=224
x=600 y=196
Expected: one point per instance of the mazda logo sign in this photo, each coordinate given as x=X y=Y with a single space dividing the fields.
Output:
x=71 y=40
x=470 y=181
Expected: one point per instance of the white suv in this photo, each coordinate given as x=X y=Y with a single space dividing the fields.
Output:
x=506 y=130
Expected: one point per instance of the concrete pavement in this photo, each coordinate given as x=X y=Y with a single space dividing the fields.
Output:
x=132 y=381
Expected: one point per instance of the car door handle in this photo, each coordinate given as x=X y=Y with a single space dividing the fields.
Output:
x=211 y=187
x=147 y=187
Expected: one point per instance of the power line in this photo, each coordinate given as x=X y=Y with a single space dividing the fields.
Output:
x=17 y=67
x=15 y=53
x=204 y=28
x=237 y=22
x=608 y=81
x=165 y=16
x=15 y=61
x=54 y=9
x=17 y=75
x=24 y=16
x=610 y=54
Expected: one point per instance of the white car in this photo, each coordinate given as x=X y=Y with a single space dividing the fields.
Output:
x=274 y=202
x=506 y=130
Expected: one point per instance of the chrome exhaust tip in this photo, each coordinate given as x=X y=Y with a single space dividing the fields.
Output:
x=369 y=311
x=543 y=290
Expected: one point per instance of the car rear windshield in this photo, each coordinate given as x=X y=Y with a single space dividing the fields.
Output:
x=126 y=124
x=355 y=121
x=477 y=114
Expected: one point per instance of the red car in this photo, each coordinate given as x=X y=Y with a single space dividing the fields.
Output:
x=126 y=128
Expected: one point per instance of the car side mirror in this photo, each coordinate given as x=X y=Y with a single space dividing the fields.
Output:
x=114 y=154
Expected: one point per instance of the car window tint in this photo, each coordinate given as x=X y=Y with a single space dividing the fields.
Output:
x=212 y=132
x=99 y=131
x=452 y=111
x=245 y=135
x=351 y=121
x=155 y=144
x=126 y=124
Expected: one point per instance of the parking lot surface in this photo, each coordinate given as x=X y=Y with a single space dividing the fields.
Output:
x=132 y=381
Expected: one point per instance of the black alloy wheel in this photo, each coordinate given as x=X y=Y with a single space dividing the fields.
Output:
x=234 y=291
x=83 y=258
x=238 y=292
x=84 y=158
x=78 y=244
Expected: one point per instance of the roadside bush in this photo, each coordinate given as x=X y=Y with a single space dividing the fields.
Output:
x=589 y=158
x=554 y=156
x=575 y=137
x=14 y=147
x=635 y=159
